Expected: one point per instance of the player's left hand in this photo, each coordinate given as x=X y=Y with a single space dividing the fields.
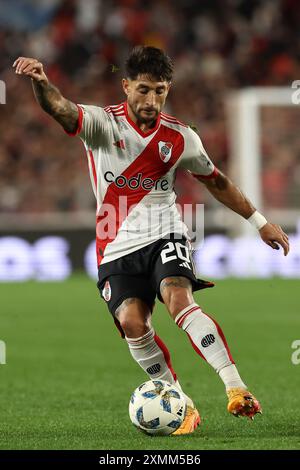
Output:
x=273 y=235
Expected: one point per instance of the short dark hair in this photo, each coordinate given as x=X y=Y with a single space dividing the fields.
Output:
x=150 y=61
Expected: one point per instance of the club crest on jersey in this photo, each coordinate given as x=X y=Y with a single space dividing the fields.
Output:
x=165 y=150
x=106 y=292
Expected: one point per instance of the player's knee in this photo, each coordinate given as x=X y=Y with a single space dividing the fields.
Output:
x=134 y=317
x=176 y=293
x=134 y=327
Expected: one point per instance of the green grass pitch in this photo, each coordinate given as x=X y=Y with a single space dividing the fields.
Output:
x=69 y=376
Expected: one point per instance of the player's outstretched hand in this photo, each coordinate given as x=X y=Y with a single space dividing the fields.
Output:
x=30 y=67
x=273 y=235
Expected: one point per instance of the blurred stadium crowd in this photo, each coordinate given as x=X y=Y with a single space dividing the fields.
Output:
x=217 y=46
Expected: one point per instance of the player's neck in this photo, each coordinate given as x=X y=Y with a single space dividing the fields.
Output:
x=143 y=126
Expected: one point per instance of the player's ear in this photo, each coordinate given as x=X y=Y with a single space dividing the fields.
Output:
x=125 y=85
x=168 y=87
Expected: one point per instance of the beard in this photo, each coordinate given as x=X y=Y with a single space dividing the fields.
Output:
x=144 y=117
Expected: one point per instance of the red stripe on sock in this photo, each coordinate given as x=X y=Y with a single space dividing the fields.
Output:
x=166 y=354
x=222 y=336
x=195 y=348
x=181 y=319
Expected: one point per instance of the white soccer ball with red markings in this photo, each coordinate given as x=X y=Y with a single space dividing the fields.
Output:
x=157 y=407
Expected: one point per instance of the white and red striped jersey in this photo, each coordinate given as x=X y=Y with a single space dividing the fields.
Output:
x=132 y=175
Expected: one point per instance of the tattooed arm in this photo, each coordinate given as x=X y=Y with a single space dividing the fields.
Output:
x=222 y=189
x=48 y=96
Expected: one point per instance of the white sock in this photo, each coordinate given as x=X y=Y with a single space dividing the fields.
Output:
x=153 y=356
x=209 y=342
x=231 y=377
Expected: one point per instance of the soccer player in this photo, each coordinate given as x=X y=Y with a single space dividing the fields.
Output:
x=143 y=249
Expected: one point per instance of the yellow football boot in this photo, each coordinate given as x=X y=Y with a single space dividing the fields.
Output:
x=190 y=422
x=242 y=403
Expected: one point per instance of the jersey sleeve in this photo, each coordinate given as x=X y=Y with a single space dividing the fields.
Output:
x=92 y=125
x=195 y=158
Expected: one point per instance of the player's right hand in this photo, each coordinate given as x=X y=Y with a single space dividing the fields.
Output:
x=30 y=67
x=273 y=235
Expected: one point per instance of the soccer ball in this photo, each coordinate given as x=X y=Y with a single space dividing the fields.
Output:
x=157 y=407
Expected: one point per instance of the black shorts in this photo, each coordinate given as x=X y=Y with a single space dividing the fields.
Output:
x=140 y=273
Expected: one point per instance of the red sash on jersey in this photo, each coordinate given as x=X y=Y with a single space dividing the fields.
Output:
x=153 y=163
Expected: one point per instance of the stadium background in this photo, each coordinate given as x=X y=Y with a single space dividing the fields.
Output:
x=58 y=388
